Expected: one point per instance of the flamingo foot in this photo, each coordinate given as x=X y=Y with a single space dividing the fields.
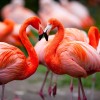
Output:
x=79 y=98
x=71 y=87
x=84 y=98
x=16 y=97
x=50 y=90
x=54 y=90
x=42 y=95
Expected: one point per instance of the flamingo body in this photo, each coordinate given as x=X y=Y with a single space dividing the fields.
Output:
x=70 y=34
x=13 y=62
x=14 y=65
x=50 y=8
x=75 y=58
x=16 y=11
x=80 y=57
x=78 y=10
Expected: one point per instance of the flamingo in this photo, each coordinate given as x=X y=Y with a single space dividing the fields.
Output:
x=6 y=27
x=16 y=11
x=78 y=10
x=13 y=37
x=94 y=36
x=75 y=58
x=9 y=32
x=94 y=41
x=49 y=8
x=14 y=65
x=70 y=34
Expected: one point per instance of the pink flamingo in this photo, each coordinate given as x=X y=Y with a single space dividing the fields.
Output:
x=14 y=65
x=94 y=41
x=9 y=32
x=6 y=27
x=13 y=37
x=16 y=11
x=70 y=34
x=49 y=8
x=78 y=10
x=77 y=59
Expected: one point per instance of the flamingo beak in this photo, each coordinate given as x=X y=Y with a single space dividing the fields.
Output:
x=47 y=31
x=46 y=36
x=40 y=37
x=40 y=32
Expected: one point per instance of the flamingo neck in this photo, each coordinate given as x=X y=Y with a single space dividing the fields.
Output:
x=9 y=28
x=51 y=49
x=32 y=61
x=93 y=35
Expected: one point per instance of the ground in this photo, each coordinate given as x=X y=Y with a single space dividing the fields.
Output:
x=28 y=90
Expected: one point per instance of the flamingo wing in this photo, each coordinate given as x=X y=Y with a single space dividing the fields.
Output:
x=12 y=63
x=75 y=34
x=76 y=55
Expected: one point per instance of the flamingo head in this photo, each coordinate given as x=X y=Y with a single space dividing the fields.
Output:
x=36 y=23
x=10 y=25
x=94 y=36
x=87 y=22
x=52 y=23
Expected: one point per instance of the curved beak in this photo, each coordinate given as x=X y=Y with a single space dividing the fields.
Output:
x=45 y=35
x=40 y=32
x=46 y=31
x=40 y=37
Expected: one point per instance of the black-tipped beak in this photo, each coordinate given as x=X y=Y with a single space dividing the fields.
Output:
x=40 y=37
x=46 y=36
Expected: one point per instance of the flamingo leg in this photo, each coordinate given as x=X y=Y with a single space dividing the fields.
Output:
x=50 y=85
x=16 y=97
x=81 y=86
x=54 y=89
x=2 y=95
x=79 y=96
x=43 y=84
x=71 y=88
x=93 y=86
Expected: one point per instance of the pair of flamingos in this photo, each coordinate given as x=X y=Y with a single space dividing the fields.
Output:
x=77 y=59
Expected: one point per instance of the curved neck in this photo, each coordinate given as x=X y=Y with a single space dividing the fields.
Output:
x=51 y=49
x=9 y=28
x=93 y=35
x=32 y=62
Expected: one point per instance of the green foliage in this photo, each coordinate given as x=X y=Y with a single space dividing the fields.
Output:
x=41 y=69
